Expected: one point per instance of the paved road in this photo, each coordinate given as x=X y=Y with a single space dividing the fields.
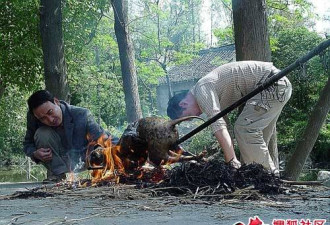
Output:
x=74 y=208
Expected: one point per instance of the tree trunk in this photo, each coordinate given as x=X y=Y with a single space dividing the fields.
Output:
x=252 y=43
x=126 y=53
x=306 y=143
x=53 y=48
x=169 y=85
x=2 y=89
x=251 y=33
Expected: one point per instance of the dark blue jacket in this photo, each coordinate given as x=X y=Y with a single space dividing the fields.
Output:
x=77 y=122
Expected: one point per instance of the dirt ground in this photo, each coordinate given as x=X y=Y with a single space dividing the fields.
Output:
x=126 y=205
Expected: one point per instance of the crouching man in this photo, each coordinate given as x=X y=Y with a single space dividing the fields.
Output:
x=56 y=134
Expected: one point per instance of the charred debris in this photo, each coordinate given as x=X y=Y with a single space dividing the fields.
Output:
x=210 y=181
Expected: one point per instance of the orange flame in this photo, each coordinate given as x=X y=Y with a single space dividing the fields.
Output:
x=127 y=159
x=111 y=166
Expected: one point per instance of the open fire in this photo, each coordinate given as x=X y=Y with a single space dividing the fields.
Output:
x=128 y=162
x=148 y=140
x=118 y=163
x=104 y=161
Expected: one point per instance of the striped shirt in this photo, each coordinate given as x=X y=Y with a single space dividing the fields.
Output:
x=226 y=84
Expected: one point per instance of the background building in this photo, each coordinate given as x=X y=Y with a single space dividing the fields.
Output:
x=183 y=77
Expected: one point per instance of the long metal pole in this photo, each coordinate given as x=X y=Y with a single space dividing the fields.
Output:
x=259 y=89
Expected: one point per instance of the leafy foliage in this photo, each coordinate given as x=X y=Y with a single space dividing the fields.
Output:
x=20 y=46
x=12 y=122
x=165 y=33
x=307 y=82
x=225 y=35
x=309 y=78
x=289 y=15
x=93 y=61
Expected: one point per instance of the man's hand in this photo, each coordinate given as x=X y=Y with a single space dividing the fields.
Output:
x=43 y=154
x=235 y=163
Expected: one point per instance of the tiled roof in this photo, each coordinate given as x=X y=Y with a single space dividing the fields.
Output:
x=207 y=60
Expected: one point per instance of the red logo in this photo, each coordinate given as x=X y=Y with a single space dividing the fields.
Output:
x=253 y=221
x=257 y=221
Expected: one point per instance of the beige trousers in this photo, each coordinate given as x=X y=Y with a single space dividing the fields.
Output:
x=46 y=137
x=255 y=125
